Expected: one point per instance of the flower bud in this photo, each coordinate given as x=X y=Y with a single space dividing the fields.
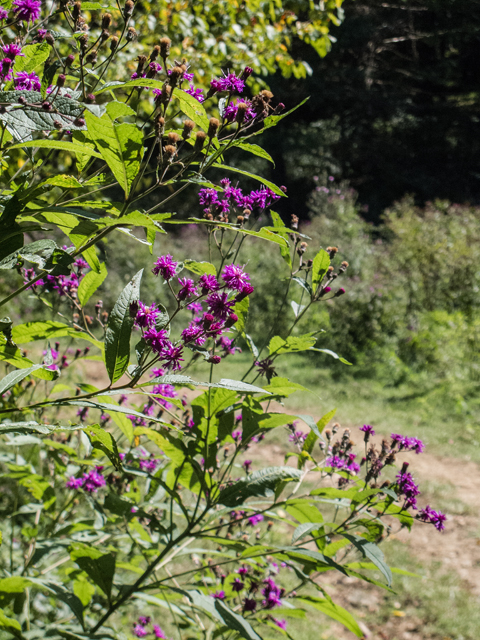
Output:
x=199 y=140
x=247 y=72
x=69 y=60
x=325 y=290
x=61 y=80
x=214 y=359
x=128 y=9
x=46 y=106
x=213 y=127
x=165 y=44
x=246 y=291
x=104 y=36
x=207 y=320
x=50 y=39
x=231 y=320
x=90 y=99
x=188 y=127
x=340 y=292
x=82 y=41
x=113 y=43
x=106 y=20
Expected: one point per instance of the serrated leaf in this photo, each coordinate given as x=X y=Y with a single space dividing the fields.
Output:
x=320 y=265
x=26 y=118
x=200 y=267
x=120 y=145
x=119 y=329
x=90 y=284
x=292 y=344
x=62 y=145
x=304 y=529
x=260 y=483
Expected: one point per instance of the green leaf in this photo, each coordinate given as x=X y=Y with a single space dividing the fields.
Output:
x=104 y=441
x=120 y=145
x=172 y=447
x=24 y=119
x=261 y=179
x=100 y=567
x=272 y=121
x=192 y=108
x=334 y=611
x=291 y=344
x=260 y=483
x=31 y=331
x=10 y=624
x=331 y=353
x=371 y=551
x=255 y=150
x=14 y=377
x=283 y=387
x=34 y=56
x=119 y=329
x=200 y=267
x=304 y=529
x=90 y=284
x=321 y=262
x=33 y=427
x=119 y=110
x=324 y=420
x=224 y=383
x=63 y=145
x=241 y=310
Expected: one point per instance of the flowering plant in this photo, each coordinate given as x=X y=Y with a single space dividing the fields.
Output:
x=137 y=494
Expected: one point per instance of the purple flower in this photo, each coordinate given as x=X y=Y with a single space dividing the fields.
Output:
x=166 y=390
x=255 y=519
x=220 y=595
x=407 y=487
x=407 y=444
x=171 y=355
x=74 y=483
x=249 y=604
x=139 y=631
x=157 y=340
x=246 y=465
x=433 y=517
x=27 y=10
x=265 y=368
x=3 y=13
x=146 y=316
x=12 y=50
x=144 y=620
x=157 y=630
x=219 y=305
x=272 y=593
x=196 y=307
x=149 y=465
x=208 y=282
x=229 y=82
x=207 y=197
x=82 y=413
x=235 y=277
x=191 y=333
x=280 y=623
x=335 y=462
x=93 y=480
x=262 y=198
x=187 y=288
x=298 y=437
x=231 y=111
x=367 y=430
x=226 y=344
x=165 y=266
x=237 y=585
x=27 y=81
x=196 y=93
x=242 y=571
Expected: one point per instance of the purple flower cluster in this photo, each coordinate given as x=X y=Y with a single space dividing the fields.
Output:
x=24 y=81
x=196 y=93
x=91 y=482
x=218 y=202
x=433 y=517
x=63 y=285
x=230 y=112
x=272 y=593
x=368 y=431
x=407 y=444
x=146 y=316
x=141 y=629
x=407 y=487
x=228 y=82
x=346 y=463
x=297 y=437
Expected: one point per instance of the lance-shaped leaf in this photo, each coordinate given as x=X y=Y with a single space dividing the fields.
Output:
x=258 y=484
x=119 y=329
x=373 y=552
x=90 y=284
x=14 y=377
x=120 y=146
x=320 y=265
x=335 y=611
x=62 y=145
x=104 y=441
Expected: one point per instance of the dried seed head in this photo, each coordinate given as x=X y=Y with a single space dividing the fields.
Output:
x=188 y=127
x=169 y=151
x=330 y=270
x=104 y=36
x=175 y=75
x=199 y=140
x=128 y=9
x=82 y=41
x=242 y=109
x=302 y=248
x=213 y=127
x=92 y=57
x=173 y=138
x=141 y=64
x=294 y=222
x=247 y=213
x=155 y=53
x=332 y=251
x=165 y=44
x=240 y=219
x=131 y=34
x=106 y=20
x=113 y=43
x=76 y=10
x=266 y=95
x=159 y=126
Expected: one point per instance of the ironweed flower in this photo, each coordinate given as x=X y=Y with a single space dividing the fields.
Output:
x=235 y=277
x=196 y=93
x=266 y=368
x=165 y=266
x=146 y=316
x=158 y=632
x=255 y=519
x=229 y=82
x=219 y=305
x=12 y=50
x=24 y=81
x=219 y=595
x=187 y=290
x=368 y=431
x=282 y=624
x=166 y=390
x=139 y=631
x=249 y=604
x=171 y=356
x=237 y=585
x=93 y=480
x=433 y=517
x=3 y=13
x=157 y=340
x=27 y=10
